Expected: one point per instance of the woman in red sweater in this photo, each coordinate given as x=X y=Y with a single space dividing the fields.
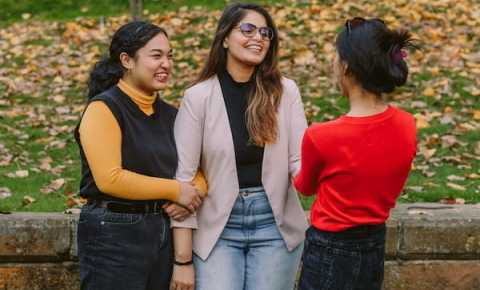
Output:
x=357 y=164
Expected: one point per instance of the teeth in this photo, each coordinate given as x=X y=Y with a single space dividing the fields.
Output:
x=255 y=47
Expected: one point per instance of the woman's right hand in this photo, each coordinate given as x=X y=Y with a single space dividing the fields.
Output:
x=189 y=197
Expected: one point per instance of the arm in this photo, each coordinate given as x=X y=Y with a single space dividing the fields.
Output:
x=189 y=138
x=180 y=213
x=298 y=124
x=306 y=180
x=188 y=132
x=99 y=126
x=183 y=276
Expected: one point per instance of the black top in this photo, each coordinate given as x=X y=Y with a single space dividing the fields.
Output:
x=148 y=144
x=248 y=156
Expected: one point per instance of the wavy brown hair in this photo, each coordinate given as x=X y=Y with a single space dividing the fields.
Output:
x=264 y=96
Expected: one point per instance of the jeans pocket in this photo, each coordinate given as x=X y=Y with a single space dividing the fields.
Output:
x=317 y=268
x=115 y=218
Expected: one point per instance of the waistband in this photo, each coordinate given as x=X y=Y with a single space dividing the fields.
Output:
x=362 y=231
x=251 y=190
x=126 y=206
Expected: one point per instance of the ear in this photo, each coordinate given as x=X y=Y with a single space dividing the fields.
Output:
x=127 y=61
x=344 y=65
x=225 y=42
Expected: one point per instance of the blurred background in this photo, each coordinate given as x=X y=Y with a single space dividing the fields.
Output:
x=48 y=47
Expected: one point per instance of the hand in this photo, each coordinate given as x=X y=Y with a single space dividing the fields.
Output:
x=183 y=278
x=189 y=197
x=176 y=212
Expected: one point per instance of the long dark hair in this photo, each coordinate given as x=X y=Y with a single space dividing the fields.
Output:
x=265 y=95
x=374 y=54
x=128 y=39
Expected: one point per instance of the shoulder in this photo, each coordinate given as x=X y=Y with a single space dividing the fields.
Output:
x=291 y=92
x=289 y=86
x=201 y=90
x=326 y=129
x=403 y=116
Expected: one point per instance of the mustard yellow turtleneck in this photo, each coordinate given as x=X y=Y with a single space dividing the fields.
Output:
x=99 y=126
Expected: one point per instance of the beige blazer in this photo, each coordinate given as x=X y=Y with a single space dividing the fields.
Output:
x=204 y=139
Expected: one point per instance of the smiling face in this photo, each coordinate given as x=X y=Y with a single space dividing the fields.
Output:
x=243 y=50
x=150 y=69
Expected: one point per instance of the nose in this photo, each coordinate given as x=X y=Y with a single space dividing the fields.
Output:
x=166 y=63
x=257 y=35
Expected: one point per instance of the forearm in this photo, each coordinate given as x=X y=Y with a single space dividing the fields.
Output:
x=182 y=238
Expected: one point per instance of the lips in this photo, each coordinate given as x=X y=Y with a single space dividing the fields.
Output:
x=161 y=76
x=256 y=48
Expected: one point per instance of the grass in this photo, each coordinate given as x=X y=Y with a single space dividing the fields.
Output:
x=15 y=10
x=34 y=126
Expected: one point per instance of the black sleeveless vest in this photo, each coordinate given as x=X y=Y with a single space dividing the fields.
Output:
x=148 y=144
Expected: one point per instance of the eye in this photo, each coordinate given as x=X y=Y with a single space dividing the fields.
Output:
x=247 y=27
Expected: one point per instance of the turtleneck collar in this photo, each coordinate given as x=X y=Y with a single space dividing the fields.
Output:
x=144 y=102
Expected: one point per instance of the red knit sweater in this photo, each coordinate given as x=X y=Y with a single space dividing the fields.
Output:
x=357 y=167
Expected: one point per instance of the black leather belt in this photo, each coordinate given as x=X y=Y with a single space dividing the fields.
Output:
x=153 y=207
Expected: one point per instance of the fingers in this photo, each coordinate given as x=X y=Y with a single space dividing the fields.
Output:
x=178 y=285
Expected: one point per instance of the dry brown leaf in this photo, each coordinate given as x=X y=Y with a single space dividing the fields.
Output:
x=456 y=186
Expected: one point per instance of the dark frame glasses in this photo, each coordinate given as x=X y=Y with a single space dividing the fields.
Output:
x=249 y=30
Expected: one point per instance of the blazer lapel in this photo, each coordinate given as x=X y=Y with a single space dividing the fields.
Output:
x=224 y=124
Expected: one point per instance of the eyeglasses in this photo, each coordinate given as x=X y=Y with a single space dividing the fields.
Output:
x=357 y=21
x=250 y=30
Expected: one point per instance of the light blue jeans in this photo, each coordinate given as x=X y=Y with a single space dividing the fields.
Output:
x=250 y=253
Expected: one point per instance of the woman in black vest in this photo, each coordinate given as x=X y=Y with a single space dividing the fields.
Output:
x=129 y=161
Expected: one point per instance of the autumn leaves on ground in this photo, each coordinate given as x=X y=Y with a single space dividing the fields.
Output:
x=44 y=66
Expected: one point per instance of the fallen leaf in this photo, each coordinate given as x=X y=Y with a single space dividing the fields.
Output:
x=53 y=186
x=455 y=178
x=27 y=200
x=5 y=192
x=456 y=186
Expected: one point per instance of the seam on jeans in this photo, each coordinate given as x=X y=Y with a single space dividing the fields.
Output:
x=356 y=271
x=163 y=241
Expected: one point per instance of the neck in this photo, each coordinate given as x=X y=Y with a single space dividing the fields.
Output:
x=363 y=103
x=240 y=72
x=132 y=84
x=143 y=100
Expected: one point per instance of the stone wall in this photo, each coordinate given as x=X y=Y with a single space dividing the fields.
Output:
x=429 y=247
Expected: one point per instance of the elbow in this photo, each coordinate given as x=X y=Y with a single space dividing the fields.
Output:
x=103 y=185
x=106 y=182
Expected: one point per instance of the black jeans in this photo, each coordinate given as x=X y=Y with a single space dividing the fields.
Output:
x=348 y=260
x=127 y=251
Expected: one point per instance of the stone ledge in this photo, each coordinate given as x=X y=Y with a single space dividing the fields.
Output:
x=411 y=275
x=449 y=233
x=50 y=276
x=413 y=233
x=432 y=275
x=35 y=237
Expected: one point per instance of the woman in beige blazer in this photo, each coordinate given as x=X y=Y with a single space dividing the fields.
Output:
x=241 y=123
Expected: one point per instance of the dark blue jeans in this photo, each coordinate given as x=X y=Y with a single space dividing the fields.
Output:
x=348 y=260
x=124 y=250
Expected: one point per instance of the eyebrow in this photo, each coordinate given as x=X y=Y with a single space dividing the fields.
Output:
x=161 y=51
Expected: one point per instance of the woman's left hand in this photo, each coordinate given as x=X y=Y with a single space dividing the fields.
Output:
x=183 y=278
x=176 y=212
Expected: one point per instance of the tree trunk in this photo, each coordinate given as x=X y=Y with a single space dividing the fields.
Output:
x=136 y=9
